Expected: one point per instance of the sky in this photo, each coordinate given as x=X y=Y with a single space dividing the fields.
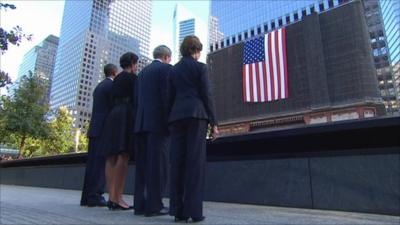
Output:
x=42 y=18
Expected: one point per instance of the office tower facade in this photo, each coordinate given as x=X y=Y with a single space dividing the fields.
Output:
x=391 y=20
x=330 y=78
x=40 y=60
x=264 y=16
x=214 y=33
x=186 y=23
x=94 y=33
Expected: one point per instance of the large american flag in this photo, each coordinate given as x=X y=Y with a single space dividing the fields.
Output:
x=265 y=68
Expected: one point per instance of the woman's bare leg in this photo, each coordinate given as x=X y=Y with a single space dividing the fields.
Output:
x=110 y=177
x=121 y=169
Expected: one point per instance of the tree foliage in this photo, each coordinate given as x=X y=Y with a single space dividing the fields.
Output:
x=60 y=139
x=4 y=79
x=13 y=36
x=23 y=115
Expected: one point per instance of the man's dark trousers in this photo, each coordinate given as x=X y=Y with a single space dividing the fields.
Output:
x=151 y=170
x=94 y=183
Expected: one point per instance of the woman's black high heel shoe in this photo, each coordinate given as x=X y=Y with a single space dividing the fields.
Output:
x=115 y=206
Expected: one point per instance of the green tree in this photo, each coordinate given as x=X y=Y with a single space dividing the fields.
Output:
x=23 y=115
x=83 y=143
x=4 y=79
x=13 y=36
x=60 y=139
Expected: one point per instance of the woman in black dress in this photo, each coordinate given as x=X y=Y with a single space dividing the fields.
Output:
x=117 y=138
x=191 y=111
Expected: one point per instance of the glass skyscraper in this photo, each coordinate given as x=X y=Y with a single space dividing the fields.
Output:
x=94 y=33
x=391 y=20
x=40 y=60
x=186 y=23
x=240 y=20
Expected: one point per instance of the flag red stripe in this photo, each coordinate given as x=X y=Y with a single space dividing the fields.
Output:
x=285 y=62
x=258 y=81
x=270 y=67
x=278 y=63
x=251 y=83
x=244 y=83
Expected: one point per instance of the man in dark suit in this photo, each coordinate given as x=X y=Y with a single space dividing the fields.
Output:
x=152 y=134
x=94 y=183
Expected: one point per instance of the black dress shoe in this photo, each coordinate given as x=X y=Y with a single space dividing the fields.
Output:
x=115 y=206
x=181 y=219
x=101 y=203
x=162 y=212
x=198 y=219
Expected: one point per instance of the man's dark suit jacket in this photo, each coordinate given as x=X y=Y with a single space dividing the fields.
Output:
x=190 y=94
x=102 y=104
x=152 y=97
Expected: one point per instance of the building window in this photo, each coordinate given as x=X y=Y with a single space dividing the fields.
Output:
x=258 y=30
x=312 y=9
x=222 y=44
x=330 y=3
x=233 y=40
x=304 y=13
x=240 y=37
x=265 y=27
x=273 y=25
x=216 y=46
x=296 y=16
x=287 y=19
x=252 y=33
x=280 y=22
x=227 y=42
x=245 y=35
x=211 y=48
x=321 y=7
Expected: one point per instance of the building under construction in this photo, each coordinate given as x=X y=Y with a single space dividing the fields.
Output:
x=331 y=76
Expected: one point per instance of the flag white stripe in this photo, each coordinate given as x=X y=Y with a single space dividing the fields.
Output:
x=261 y=79
x=247 y=83
x=269 y=94
x=282 y=69
x=274 y=65
x=254 y=75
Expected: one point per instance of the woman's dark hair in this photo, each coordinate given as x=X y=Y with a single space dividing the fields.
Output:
x=190 y=45
x=128 y=59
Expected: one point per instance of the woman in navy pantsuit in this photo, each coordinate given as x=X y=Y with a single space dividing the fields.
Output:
x=191 y=110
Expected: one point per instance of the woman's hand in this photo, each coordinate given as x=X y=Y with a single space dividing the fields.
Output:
x=215 y=132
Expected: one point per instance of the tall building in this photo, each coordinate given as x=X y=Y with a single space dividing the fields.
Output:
x=381 y=54
x=240 y=20
x=94 y=33
x=40 y=60
x=186 y=23
x=214 y=33
x=330 y=75
x=391 y=20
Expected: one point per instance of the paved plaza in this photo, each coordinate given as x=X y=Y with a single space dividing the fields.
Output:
x=31 y=205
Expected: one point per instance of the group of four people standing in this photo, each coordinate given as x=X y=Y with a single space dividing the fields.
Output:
x=162 y=113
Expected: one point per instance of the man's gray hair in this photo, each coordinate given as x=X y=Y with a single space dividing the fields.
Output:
x=161 y=51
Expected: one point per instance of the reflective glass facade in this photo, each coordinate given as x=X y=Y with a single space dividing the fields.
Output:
x=186 y=23
x=94 y=33
x=40 y=60
x=391 y=19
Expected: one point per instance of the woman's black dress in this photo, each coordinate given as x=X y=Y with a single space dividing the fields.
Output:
x=117 y=136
